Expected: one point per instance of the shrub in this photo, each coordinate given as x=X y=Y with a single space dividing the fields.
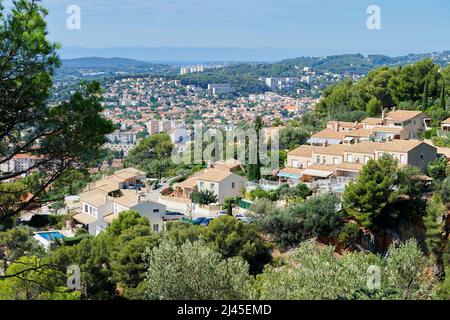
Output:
x=43 y=220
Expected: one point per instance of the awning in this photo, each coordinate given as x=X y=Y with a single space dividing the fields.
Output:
x=111 y=217
x=350 y=167
x=291 y=173
x=323 y=141
x=317 y=173
x=84 y=218
x=349 y=139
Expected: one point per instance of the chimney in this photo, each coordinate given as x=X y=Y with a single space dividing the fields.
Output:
x=383 y=117
x=336 y=126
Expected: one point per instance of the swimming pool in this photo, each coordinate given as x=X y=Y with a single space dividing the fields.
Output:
x=51 y=235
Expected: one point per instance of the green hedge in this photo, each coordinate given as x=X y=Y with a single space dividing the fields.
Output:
x=74 y=240
x=41 y=220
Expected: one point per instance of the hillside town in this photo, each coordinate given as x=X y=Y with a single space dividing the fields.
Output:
x=306 y=178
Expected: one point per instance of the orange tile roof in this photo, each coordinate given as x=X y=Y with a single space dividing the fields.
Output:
x=367 y=147
x=333 y=150
x=330 y=134
x=360 y=133
x=321 y=167
x=348 y=166
x=372 y=121
x=399 y=145
x=303 y=151
x=292 y=170
x=403 y=115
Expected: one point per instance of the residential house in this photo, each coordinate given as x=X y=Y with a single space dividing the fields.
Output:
x=307 y=163
x=231 y=165
x=445 y=125
x=398 y=124
x=104 y=200
x=224 y=183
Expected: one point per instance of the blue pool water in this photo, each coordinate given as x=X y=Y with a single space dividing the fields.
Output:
x=53 y=235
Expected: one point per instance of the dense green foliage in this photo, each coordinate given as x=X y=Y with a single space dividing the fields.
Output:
x=284 y=192
x=112 y=260
x=36 y=282
x=204 y=197
x=232 y=238
x=16 y=243
x=292 y=137
x=194 y=271
x=70 y=134
x=372 y=200
x=439 y=169
x=152 y=155
x=316 y=217
x=315 y=272
x=417 y=86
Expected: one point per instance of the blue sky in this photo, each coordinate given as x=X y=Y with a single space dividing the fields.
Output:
x=328 y=26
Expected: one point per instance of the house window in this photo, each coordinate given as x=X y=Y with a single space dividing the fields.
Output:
x=86 y=208
x=211 y=186
x=350 y=158
x=366 y=159
x=318 y=159
x=402 y=158
x=156 y=227
x=233 y=185
x=202 y=184
x=295 y=163
x=421 y=156
x=155 y=210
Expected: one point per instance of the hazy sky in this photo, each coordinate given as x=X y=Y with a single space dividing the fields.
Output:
x=333 y=25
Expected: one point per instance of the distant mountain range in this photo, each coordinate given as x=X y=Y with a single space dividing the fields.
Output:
x=100 y=67
x=350 y=64
x=100 y=62
x=192 y=55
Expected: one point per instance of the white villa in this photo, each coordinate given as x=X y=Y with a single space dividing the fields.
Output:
x=105 y=199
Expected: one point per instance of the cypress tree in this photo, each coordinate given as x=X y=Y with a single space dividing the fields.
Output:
x=254 y=170
x=442 y=98
x=425 y=96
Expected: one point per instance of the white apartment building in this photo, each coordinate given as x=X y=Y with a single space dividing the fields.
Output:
x=219 y=88
x=125 y=138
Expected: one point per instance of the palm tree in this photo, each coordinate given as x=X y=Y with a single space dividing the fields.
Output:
x=204 y=197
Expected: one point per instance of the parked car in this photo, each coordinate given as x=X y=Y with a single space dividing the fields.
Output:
x=202 y=221
x=206 y=222
x=222 y=213
x=244 y=218
x=171 y=216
